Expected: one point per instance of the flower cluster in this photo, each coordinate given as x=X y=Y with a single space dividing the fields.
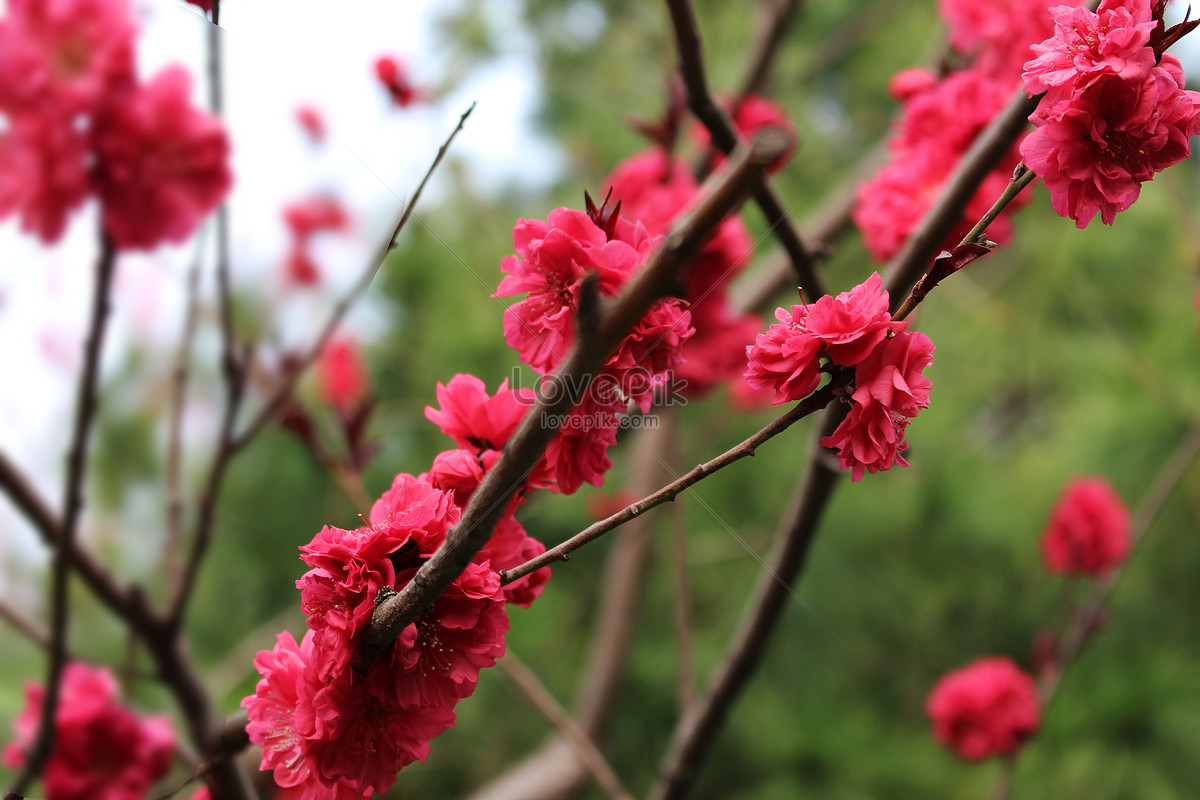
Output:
x=985 y=709
x=1089 y=530
x=330 y=731
x=101 y=750
x=554 y=260
x=942 y=116
x=307 y=217
x=655 y=189
x=1114 y=113
x=75 y=123
x=854 y=330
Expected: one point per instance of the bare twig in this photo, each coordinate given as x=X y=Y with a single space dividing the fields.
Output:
x=1083 y=626
x=814 y=402
x=179 y=381
x=776 y=17
x=585 y=749
x=26 y=626
x=85 y=411
x=725 y=138
x=275 y=403
x=656 y=280
x=698 y=728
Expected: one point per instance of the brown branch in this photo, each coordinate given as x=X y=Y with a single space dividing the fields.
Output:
x=26 y=626
x=725 y=138
x=814 y=402
x=583 y=746
x=698 y=728
x=657 y=279
x=85 y=412
x=907 y=266
x=275 y=404
x=179 y=381
x=775 y=20
x=1084 y=625
x=553 y=772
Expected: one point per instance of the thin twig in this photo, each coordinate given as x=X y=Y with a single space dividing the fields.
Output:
x=698 y=728
x=814 y=402
x=657 y=279
x=725 y=138
x=1083 y=626
x=179 y=381
x=585 y=749
x=273 y=405
x=85 y=411
x=680 y=587
x=26 y=626
x=775 y=20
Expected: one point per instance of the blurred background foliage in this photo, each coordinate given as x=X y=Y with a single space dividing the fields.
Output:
x=1067 y=352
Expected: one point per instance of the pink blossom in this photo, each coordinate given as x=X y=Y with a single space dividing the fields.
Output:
x=342 y=378
x=413 y=506
x=312 y=122
x=579 y=453
x=890 y=389
x=785 y=358
x=299 y=267
x=851 y=325
x=1000 y=34
x=391 y=73
x=1095 y=149
x=1088 y=44
x=162 y=164
x=473 y=419
x=908 y=83
x=101 y=750
x=987 y=708
x=43 y=173
x=314 y=214
x=1089 y=530
x=951 y=112
x=753 y=114
x=65 y=57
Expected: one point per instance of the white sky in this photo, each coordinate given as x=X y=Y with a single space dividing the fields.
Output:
x=278 y=55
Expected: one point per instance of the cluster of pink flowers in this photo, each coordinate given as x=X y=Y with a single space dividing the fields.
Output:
x=392 y=75
x=855 y=330
x=328 y=731
x=942 y=116
x=76 y=123
x=553 y=260
x=1089 y=530
x=655 y=189
x=1114 y=113
x=305 y=218
x=101 y=750
x=985 y=709
x=989 y=707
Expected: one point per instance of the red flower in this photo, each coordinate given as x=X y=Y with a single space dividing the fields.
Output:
x=342 y=377
x=1000 y=33
x=43 y=173
x=984 y=709
x=162 y=164
x=65 y=57
x=473 y=419
x=1089 y=530
x=314 y=214
x=391 y=73
x=785 y=358
x=1088 y=44
x=1095 y=148
x=311 y=122
x=101 y=750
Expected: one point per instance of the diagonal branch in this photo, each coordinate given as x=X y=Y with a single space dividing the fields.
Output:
x=725 y=138
x=85 y=412
x=615 y=318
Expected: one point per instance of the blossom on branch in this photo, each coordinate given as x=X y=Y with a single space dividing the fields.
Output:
x=101 y=750
x=985 y=709
x=1115 y=111
x=1089 y=529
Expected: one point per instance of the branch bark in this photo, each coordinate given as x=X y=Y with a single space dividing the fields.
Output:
x=615 y=318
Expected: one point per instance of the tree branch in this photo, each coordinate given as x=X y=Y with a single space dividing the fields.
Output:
x=814 y=402
x=725 y=138
x=85 y=411
x=656 y=280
